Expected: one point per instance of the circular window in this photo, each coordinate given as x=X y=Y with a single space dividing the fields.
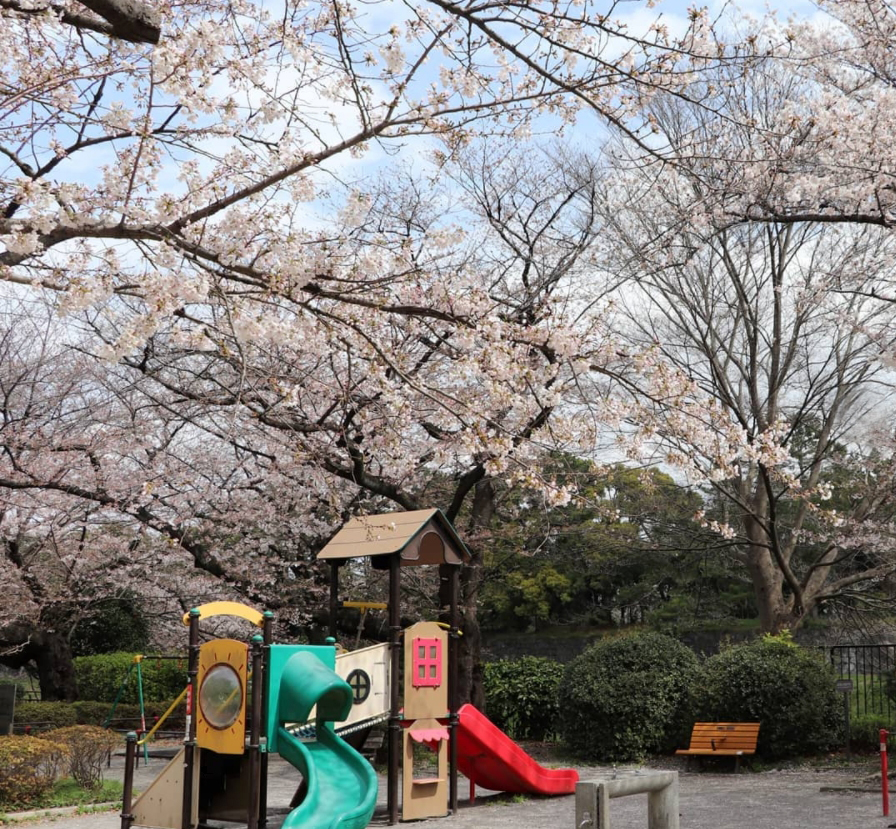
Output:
x=221 y=696
x=360 y=685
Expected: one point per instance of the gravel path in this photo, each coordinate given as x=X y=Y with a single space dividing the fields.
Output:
x=780 y=799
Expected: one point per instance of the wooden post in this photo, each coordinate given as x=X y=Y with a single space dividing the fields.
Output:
x=395 y=690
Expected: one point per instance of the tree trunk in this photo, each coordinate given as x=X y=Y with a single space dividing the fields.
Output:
x=49 y=651
x=470 y=688
x=55 y=668
x=775 y=611
x=469 y=680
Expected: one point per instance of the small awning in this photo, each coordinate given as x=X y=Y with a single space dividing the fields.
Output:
x=430 y=737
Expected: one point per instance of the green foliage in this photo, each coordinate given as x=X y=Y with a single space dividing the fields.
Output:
x=44 y=715
x=627 y=697
x=28 y=767
x=532 y=595
x=782 y=637
x=88 y=712
x=789 y=690
x=864 y=732
x=66 y=792
x=49 y=715
x=99 y=677
x=111 y=626
x=604 y=553
x=128 y=716
x=86 y=749
x=521 y=696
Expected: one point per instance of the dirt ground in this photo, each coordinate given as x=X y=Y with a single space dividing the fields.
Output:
x=714 y=799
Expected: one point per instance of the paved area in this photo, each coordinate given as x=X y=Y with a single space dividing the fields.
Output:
x=766 y=800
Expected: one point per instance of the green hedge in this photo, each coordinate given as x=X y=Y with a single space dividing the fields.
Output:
x=789 y=690
x=46 y=715
x=627 y=697
x=521 y=696
x=100 y=677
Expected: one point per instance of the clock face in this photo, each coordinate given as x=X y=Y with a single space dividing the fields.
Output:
x=221 y=696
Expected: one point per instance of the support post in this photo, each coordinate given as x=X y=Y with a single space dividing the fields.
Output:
x=190 y=741
x=255 y=732
x=130 y=755
x=395 y=689
x=268 y=634
x=139 y=660
x=334 y=596
x=593 y=798
x=453 y=702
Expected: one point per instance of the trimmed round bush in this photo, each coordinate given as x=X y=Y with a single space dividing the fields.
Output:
x=787 y=689
x=628 y=697
x=521 y=696
x=86 y=749
x=28 y=768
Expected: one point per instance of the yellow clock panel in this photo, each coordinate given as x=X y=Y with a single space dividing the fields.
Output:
x=221 y=696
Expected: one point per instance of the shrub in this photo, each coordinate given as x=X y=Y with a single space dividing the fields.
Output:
x=864 y=732
x=86 y=749
x=787 y=689
x=100 y=677
x=28 y=767
x=627 y=697
x=521 y=696
x=88 y=712
x=43 y=715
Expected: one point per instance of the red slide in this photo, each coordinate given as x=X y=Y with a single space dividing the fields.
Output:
x=488 y=757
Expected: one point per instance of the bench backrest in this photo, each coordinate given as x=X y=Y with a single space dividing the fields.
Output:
x=709 y=736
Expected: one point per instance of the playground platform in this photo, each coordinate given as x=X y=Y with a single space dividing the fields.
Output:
x=779 y=799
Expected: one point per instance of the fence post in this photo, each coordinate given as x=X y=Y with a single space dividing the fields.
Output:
x=130 y=755
x=884 y=780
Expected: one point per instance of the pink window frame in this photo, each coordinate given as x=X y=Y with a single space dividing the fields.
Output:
x=430 y=678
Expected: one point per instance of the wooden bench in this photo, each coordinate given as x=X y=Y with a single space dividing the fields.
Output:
x=722 y=739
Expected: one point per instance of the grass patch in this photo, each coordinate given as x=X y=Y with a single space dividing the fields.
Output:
x=66 y=792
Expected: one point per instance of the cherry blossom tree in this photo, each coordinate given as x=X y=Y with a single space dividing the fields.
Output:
x=284 y=324
x=421 y=407
x=104 y=493
x=764 y=379
x=823 y=152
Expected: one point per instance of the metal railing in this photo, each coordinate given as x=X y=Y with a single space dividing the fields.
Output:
x=872 y=669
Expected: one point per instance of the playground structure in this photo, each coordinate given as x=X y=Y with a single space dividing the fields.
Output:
x=246 y=700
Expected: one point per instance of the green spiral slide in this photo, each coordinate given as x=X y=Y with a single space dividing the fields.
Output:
x=341 y=785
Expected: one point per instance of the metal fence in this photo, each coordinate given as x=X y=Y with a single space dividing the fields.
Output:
x=872 y=669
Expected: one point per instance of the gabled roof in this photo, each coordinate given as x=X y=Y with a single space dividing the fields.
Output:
x=423 y=536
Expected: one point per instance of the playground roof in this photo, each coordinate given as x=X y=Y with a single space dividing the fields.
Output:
x=423 y=536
